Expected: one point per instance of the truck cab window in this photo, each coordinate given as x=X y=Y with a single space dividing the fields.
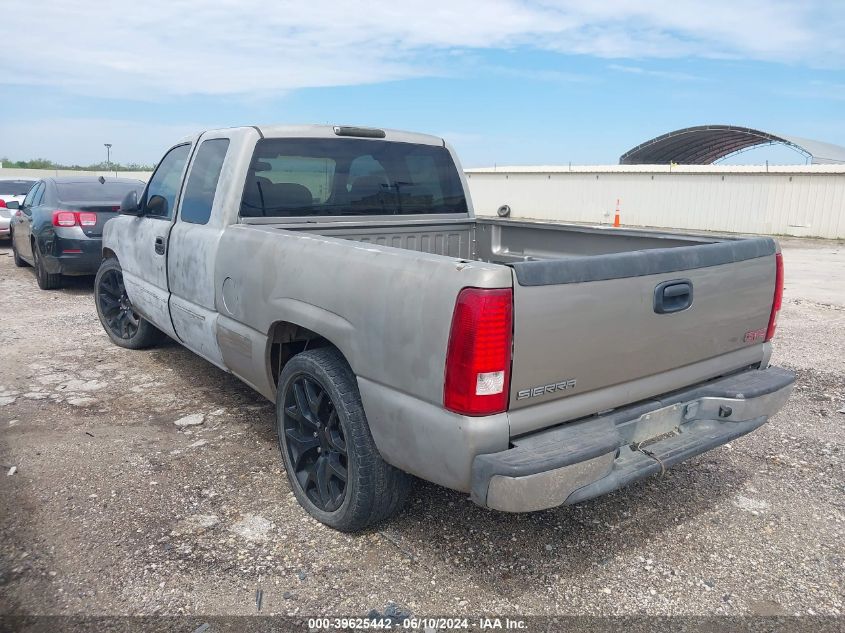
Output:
x=302 y=177
x=202 y=181
x=160 y=197
x=366 y=169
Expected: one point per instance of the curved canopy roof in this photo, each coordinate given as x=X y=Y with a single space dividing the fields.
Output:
x=705 y=144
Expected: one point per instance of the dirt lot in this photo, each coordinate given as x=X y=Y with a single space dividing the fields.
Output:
x=115 y=510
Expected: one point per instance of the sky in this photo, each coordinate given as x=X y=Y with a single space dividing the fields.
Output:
x=511 y=82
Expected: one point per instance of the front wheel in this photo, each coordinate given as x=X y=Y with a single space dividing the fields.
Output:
x=332 y=463
x=124 y=326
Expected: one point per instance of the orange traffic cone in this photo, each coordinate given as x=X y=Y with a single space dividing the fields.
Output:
x=617 y=219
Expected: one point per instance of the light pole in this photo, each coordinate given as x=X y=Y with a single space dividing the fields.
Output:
x=108 y=156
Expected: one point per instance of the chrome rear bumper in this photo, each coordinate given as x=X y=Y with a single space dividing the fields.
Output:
x=584 y=459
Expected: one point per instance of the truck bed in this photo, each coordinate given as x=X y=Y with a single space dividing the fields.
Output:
x=587 y=334
x=498 y=241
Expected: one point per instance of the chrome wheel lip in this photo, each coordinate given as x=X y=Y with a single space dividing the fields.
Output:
x=314 y=442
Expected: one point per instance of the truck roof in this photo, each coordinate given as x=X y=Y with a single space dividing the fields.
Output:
x=328 y=131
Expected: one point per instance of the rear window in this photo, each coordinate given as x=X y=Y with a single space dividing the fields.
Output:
x=15 y=187
x=106 y=192
x=311 y=177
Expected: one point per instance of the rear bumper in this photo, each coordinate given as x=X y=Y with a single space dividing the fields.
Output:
x=71 y=252
x=585 y=459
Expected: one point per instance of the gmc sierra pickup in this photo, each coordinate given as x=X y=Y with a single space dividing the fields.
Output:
x=342 y=273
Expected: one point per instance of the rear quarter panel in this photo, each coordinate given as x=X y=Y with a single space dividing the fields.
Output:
x=388 y=310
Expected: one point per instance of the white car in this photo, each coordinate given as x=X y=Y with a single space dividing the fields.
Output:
x=11 y=191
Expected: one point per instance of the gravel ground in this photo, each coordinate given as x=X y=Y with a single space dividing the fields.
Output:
x=114 y=509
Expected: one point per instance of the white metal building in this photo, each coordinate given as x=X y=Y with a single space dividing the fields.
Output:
x=801 y=200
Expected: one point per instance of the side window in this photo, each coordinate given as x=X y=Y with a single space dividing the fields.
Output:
x=202 y=181
x=30 y=197
x=39 y=195
x=160 y=199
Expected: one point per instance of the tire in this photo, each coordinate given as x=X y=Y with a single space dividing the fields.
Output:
x=374 y=490
x=46 y=280
x=124 y=326
x=19 y=261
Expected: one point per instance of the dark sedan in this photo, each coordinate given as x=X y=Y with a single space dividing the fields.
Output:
x=58 y=228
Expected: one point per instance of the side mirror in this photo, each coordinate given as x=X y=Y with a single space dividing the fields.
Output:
x=129 y=205
x=157 y=205
x=13 y=204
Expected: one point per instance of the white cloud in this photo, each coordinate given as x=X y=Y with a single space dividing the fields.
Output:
x=660 y=74
x=156 y=49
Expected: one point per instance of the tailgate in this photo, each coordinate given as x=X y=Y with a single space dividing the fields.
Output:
x=585 y=323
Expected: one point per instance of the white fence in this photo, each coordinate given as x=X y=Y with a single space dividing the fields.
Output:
x=799 y=200
x=786 y=200
x=13 y=173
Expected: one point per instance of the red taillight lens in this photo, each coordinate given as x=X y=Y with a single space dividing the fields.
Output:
x=2 y=203
x=778 y=298
x=72 y=218
x=478 y=359
x=64 y=218
x=87 y=219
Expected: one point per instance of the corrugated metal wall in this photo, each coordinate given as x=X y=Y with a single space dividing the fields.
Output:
x=801 y=201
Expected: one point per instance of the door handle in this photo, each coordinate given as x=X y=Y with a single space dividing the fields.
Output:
x=673 y=296
x=160 y=245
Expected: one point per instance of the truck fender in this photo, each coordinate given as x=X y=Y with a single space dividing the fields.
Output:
x=303 y=321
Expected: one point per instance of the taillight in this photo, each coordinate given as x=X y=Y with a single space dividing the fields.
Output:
x=73 y=218
x=87 y=219
x=478 y=358
x=778 y=298
x=2 y=203
x=64 y=218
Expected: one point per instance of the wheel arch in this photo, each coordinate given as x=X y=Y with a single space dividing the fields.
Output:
x=286 y=339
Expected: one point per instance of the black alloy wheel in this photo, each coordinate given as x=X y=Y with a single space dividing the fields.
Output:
x=315 y=442
x=46 y=280
x=115 y=305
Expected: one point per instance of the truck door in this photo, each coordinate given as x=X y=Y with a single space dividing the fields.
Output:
x=143 y=256
x=193 y=251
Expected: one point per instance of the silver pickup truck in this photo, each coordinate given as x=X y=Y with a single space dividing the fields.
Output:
x=342 y=273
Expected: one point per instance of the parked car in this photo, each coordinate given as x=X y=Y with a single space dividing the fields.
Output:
x=341 y=273
x=11 y=191
x=59 y=226
x=5 y=221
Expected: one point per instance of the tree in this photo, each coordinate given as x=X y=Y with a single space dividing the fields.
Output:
x=44 y=163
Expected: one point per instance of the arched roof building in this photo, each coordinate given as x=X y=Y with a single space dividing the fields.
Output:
x=705 y=144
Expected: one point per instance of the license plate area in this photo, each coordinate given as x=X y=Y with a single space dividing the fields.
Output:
x=653 y=424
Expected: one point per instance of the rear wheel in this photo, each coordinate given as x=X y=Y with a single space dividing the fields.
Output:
x=124 y=326
x=46 y=280
x=332 y=463
x=19 y=261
